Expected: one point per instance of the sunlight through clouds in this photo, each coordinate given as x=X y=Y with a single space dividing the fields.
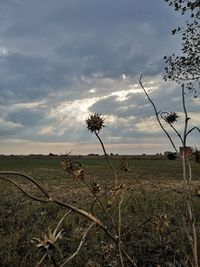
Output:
x=73 y=59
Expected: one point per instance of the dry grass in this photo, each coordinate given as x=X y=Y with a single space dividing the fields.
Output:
x=153 y=190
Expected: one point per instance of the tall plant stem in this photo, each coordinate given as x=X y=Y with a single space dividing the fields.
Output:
x=106 y=155
x=187 y=177
x=157 y=114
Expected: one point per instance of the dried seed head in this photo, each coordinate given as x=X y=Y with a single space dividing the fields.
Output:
x=78 y=174
x=171 y=117
x=96 y=188
x=95 y=122
x=48 y=241
x=72 y=167
x=66 y=165
x=124 y=165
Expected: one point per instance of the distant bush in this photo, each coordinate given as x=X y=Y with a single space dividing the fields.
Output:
x=171 y=156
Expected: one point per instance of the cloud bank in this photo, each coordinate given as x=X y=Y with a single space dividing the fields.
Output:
x=62 y=60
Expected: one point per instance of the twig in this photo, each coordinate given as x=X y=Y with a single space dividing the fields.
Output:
x=41 y=260
x=23 y=191
x=194 y=128
x=61 y=220
x=28 y=178
x=79 y=246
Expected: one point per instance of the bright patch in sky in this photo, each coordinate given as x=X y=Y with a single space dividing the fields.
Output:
x=77 y=109
x=92 y=90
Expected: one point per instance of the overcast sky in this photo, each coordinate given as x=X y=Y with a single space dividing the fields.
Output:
x=63 y=60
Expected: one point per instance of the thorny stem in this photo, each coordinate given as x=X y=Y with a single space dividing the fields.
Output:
x=186 y=117
x=81 y=212
x=120 y=249
x=104 y=150
x=97 y=198
x=157 y=114
x=187 y=180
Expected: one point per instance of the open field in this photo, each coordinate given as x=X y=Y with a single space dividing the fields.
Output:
x=154 y=217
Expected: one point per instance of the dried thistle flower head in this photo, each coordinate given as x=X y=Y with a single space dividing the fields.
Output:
x=95 y=122
x=170 y=117
x=72 y=167
x=124 y=165
x=65 y=164
x=48 y=241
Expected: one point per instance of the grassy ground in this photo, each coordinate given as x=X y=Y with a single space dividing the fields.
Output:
x=154 y=214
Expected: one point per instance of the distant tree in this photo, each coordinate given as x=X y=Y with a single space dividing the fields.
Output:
x=171 y=155
x=185 y=68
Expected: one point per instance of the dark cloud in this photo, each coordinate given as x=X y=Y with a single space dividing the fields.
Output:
x=26 y=117
x=55 y=53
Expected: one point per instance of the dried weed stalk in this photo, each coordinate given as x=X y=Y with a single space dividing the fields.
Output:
x=171 y=118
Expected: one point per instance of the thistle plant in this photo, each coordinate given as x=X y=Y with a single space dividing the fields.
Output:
x=170 y=118
x=95 y=123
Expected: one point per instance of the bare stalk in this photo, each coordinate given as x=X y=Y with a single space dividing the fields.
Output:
x=191 y=130
x=157 y=115
x=97 y=199
x=41 y=260
x=61 y=220
x=79 y=246
x=106 y=155
x=27 y=177
x=187 y=179
x=23 y=190
x=119 y=230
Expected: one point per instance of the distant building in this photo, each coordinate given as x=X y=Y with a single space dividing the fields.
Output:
x=188 y=151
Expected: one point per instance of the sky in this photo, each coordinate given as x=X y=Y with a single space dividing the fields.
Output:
x=62 y=60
